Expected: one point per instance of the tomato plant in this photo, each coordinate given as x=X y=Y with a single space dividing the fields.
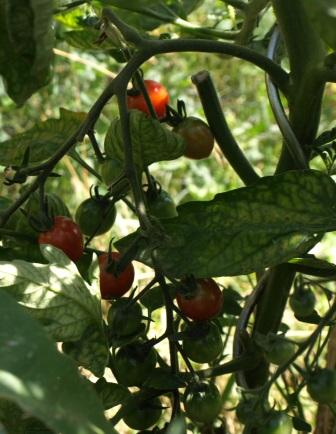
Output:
x=65 y=235
x=321 y=385
x=276 y=422
x=161 y=205
x=198 y=137
x=202 y=342
x=279 y=351
x=95 y=216
x=200 y=301
x=133 y=364
x=302 y=302
x=202 y=402
x=124 y=316
x=158 y=95
x=112 y=284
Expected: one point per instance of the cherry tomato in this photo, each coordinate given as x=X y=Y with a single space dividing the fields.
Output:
x=133 y=364
x=65 y=235
x=145 y=414
x=124 y=317
x=95 y=216
x=112 y=286
x=203 y=302
x=202 y=342
x=302 y=302
x=197 y=136
x=158 y=95
x=277 y=422
x=161 y=205
x=202 y=402
x=321 y=385
x=280 y=351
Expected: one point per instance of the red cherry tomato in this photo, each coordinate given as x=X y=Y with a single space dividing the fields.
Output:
x=112 y=286
x=65 y=235
x=203 y=302
x=158 y=95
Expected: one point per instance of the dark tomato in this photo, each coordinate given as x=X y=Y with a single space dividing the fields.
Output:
x=65 y=235
x=133 y=364
x=202 y=342
x=95 y=216
x=302 y=302
x=321 y=385
x=161 y=205
x=197 y=136
x=124 y=317
x=144 y=413
x=158 y=95
x=204 y=302
x=112 y=286
x=202 y=402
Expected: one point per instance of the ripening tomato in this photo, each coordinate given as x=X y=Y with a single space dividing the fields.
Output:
x=197 y=136
x=112 y=286
x=203 y=302
x=202 y=402
x=65 y=235
x=158 y=95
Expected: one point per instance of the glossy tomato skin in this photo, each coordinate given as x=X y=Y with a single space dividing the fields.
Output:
x=65 y=235
x=95 y=216
x=204 y=302
x=321 y=385
x=202 y=402
x=202 y=342
x=197 y=136
x=277 y=422
x=133 y=364
x=145 y=414
x=158 y=95
x=112 y=286
x=161 y=205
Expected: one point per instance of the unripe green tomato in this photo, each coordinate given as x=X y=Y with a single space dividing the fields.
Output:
x=321 y=385
x=131 y=365
x=95 y=216
x=202 y=402
x=202 y=342
x=124 y=318
x=277 y=422
x=280 y=352
x=161 y=205
x=144 y=415
x=302 y=302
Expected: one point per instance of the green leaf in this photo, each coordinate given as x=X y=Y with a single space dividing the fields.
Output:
x=42 y=381
x=44 y=139
x=111 y=394
x=26 y=42
x=313 y=318
x=154 y=299
x=230 y=305
x=163 y=380
x=322 y=14
x=313 y=266
x=54 y=293
x=151 y=141
x=86 y=39
x=245 y=230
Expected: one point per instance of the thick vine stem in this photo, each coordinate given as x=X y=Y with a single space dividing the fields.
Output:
x=220 y=128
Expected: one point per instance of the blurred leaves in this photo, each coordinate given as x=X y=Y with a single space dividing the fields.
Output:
x=26 y=42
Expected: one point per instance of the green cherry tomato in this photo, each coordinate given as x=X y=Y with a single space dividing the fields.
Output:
x=197 y=136
x=133 y=363
x=202 y=342
x=302 y=302
x=161 y=205
x=276 y=422
x=202 y=402
x=95 y=216
x=124 y=318
x=321 y=385
x=144 y=413
x=280 y=351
